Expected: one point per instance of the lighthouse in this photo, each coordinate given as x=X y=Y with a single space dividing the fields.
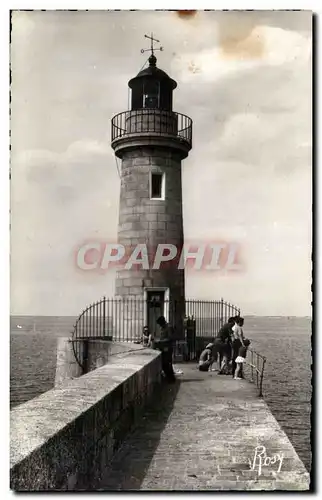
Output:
x=151 y=140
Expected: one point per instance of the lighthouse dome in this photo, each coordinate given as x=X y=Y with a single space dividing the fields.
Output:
x=152 y=88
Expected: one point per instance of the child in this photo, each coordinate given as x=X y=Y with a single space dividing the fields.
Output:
x=146 y=337
x=241 y=358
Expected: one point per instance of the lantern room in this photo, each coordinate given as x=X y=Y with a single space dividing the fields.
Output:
x=152 y=88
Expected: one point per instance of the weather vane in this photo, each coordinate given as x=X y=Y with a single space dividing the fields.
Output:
x=152 y=49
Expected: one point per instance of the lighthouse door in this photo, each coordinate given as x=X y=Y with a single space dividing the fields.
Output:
x=155 y=308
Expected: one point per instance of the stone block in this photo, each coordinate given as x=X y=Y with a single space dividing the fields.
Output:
x=129 y=216
x=121 y=290
x=147 y=201
x=154 y=226
x=133 y=290
x=141 y=161
x=165 y=217
x=141 y=194
x=128 y=202
x=133 y=242
x=130 y=233
x=132 y=282
x=125 y=226
x=159 y=161
x=173 y=226
x=126 y=163
x=125 y=194
x=134 y=153
x=151 y=217
x=156 y=208
x=139 y=209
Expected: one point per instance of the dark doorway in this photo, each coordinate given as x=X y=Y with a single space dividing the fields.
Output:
x=155 y=308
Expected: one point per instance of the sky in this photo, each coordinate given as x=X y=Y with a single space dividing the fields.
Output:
x=243 y=77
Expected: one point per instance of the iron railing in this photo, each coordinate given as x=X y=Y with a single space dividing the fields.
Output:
x=254 y=369
x=122 y=320
x=152 y=121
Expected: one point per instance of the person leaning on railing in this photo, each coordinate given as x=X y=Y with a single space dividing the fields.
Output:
x=240 y=360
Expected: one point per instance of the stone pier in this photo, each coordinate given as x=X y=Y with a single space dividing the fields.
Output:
x=205 y=432
x=203 y=435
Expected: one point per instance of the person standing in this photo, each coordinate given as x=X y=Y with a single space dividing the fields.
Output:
x=164 y=344
x=240 y=360
x=222 y=344
x=226 y=356
x=238 y=341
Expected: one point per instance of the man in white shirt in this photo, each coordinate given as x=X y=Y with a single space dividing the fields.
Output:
x=238 y=339
x=238 y=331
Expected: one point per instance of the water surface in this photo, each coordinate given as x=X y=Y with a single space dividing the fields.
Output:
x=286 y=343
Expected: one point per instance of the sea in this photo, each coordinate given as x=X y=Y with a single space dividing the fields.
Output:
x=284 y=341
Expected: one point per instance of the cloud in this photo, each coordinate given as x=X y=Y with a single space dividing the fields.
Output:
x=278 y=47
x=245 y=82
x=57 y=201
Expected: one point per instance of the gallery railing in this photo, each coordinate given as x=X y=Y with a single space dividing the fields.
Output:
x=152 y=121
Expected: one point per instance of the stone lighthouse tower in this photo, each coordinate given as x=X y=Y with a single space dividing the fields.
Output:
x=151 y=140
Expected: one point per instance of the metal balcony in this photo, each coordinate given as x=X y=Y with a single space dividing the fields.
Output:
x=152 y=122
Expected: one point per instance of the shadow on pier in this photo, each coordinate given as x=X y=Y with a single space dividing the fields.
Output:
x=129 y=467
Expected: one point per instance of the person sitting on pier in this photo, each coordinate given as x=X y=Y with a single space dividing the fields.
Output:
x=237 y=340
x=206 y=358
x=146 y=337
x=240 y=360
x=164 y=344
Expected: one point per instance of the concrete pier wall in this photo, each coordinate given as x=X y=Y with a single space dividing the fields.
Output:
x=102 y=351
x=97 y=351
x=67 y=367
x=64 y=439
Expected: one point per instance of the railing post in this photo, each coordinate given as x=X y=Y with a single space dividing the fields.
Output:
x=85 y=356
x=257 y=370
x=252 y=367
x=221 y=313
x=261 y=379
x=104 y=317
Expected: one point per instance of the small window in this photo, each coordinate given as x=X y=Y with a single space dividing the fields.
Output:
x=157 y=187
